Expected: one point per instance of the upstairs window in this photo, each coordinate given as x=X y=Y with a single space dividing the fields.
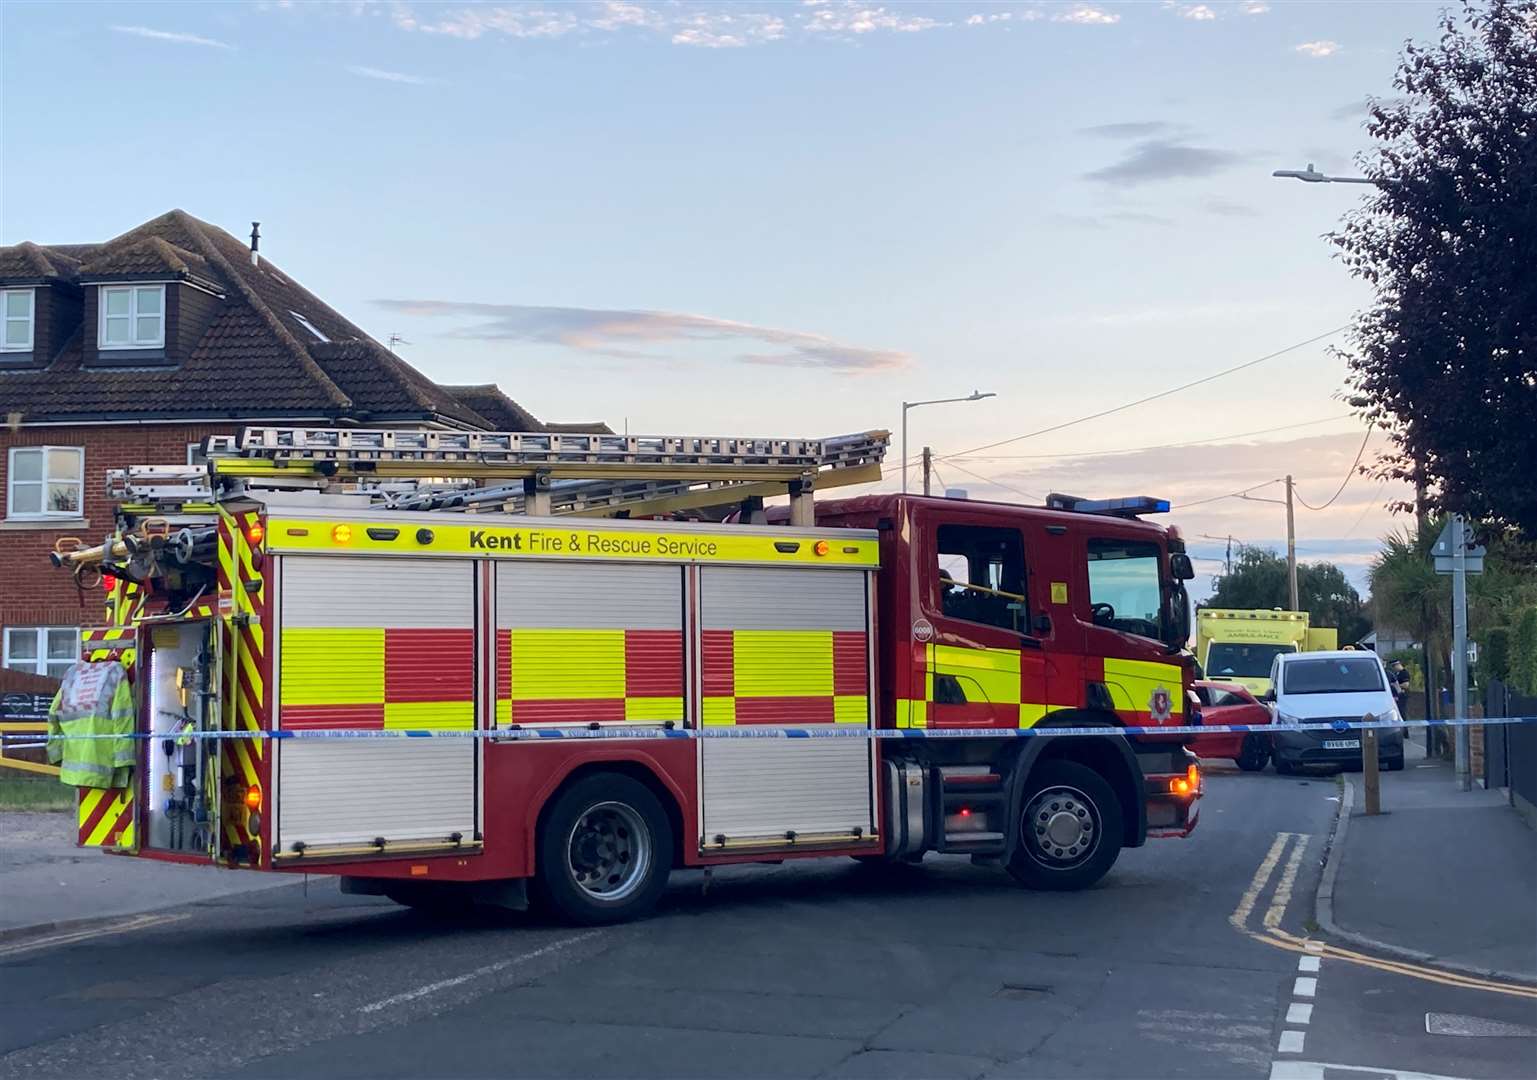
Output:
x=45 y=482
x=132 y=317
x=20 y=307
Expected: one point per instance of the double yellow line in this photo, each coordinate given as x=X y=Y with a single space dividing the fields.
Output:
x=1274 y=936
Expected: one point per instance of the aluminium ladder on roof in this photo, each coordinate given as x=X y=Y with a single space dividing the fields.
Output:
x=586 y=474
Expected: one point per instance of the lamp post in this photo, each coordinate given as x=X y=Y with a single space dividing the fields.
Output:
x=975 y=395
x=1311 y=175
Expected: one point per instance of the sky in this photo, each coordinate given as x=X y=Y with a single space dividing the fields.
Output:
x=785 y=218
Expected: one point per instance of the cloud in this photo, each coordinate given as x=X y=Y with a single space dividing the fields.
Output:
x=1255 y=7
x=1085 y=15
x=1135 y=130
x=713 y=26
x=633 y=335
x=854 y=18
x=724 y=30
x=1163 y=159
x=1317 y=49
x=1227 y=208
x=388 y=76
x=1196 y=12
x=476 y=22
x=173 y=36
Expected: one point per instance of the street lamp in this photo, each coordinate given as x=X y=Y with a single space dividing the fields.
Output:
x=1311 y=175
x=976 y=395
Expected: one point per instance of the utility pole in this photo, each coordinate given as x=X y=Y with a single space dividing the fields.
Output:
x=1291 y=546
x=1460 y=650
x=928 y=468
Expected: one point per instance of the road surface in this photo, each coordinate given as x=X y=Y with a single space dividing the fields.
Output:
x=823 y=969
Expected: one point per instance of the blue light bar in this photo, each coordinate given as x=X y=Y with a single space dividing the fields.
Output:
x=1127 y=507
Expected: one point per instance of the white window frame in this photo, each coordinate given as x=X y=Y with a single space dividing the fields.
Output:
x=6 y=318
x=133 y=318
x=45 y=514
x=39 y=663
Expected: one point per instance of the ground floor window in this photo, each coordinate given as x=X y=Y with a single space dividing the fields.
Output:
x=42 y=650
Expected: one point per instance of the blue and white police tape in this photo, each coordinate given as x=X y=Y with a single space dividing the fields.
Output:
x=821 y=731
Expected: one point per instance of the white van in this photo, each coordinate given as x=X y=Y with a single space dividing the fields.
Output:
x=1317 y=687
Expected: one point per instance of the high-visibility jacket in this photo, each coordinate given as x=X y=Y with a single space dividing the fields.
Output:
x=96 y=700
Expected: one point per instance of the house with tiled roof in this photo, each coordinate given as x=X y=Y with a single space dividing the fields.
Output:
x=136 y=350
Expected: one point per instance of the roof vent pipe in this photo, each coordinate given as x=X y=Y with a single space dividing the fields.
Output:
x=256 y=240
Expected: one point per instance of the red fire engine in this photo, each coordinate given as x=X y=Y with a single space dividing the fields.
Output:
x=586 y=660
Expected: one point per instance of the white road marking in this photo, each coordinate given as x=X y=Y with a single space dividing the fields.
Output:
x=1313 y=946
x=1283 y=891
x=69 y=937
x=1437 y=1023
x=488 y=969
x=1292 y=1042
x=1257 y=884
x=1318 y=1070
x=1299 y=1012
x=1307 y=963
x=1305 y=986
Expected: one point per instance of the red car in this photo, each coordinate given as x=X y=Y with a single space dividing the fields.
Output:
x=1228 y=703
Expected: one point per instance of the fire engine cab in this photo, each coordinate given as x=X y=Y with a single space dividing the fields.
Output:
x=463 y=667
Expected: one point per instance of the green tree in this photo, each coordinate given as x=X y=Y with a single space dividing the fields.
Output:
x=1258 y=580
x=1445 y=358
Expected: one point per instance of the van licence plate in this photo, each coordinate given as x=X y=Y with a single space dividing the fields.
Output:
x=1342 y=744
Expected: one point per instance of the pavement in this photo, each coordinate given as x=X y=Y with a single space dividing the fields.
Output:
x=49 y=884
x=1442 y=876
x=1193 y=958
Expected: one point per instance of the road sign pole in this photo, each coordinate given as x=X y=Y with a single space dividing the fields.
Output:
x=1460 y=650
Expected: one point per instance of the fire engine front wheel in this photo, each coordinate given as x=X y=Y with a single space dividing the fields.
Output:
x=605 y=850
x=1070 y=829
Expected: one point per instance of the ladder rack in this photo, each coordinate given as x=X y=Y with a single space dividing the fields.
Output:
x=588 y=475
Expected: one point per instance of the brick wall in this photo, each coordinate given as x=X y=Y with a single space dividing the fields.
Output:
x=33 y=593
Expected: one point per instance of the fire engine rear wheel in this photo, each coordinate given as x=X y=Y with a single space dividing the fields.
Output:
x=1070 y=829
x=605 y=850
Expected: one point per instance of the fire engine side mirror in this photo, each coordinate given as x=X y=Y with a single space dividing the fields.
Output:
x=1181 y=567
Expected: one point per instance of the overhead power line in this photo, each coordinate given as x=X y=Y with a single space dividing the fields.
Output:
x=1371 y=504
x=1343 y=483
x=1229 y=495
x=995 y=483
x=1151 y=397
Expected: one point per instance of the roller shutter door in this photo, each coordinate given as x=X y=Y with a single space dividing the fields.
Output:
x=369 y=644
x=581 y=643
x=790 y=648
